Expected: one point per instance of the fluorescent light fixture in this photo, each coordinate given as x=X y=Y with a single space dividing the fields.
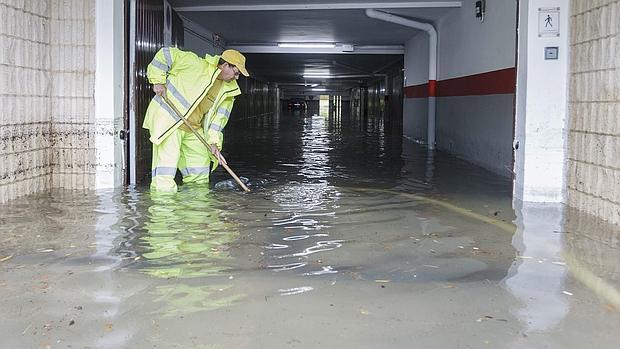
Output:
x=306 y=44
x=318 y=76
x=320 y=89
x=316 y=72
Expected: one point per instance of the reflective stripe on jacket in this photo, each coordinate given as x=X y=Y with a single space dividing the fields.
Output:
x=187 y=78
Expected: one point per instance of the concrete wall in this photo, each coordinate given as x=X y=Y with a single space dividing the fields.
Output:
x=415 y=109
x=594 y=108
x=200 y=40
x=468 y=46
x=72 y=63
x=25 y=118
x=473 y=122
x=47 y=61
x=478 y=129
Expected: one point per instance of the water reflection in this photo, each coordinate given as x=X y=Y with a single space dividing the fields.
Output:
x=185 y=235
x=537 y=278
x=306 y=206
x=182 y=299
x=591 y=252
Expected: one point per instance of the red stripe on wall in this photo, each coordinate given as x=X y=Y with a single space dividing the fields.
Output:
x=490 y=83
x=432 y=88
x=417 y=91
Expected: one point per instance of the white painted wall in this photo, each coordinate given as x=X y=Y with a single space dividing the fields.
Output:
x=479 y=129
x=542 y=108
x=109 y=93
x=415 y=110
x=468 y=46
x=415 y=115
x=476 y=128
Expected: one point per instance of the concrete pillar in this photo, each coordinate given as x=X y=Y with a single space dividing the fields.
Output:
x=541 y=102
x=109 y=93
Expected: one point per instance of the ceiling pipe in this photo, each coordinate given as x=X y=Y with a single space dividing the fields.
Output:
x=432 y=63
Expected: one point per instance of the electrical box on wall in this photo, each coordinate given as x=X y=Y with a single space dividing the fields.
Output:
x=480 y=10
x=551 y=52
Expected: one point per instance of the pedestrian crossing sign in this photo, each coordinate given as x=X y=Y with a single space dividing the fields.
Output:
x=549 y=21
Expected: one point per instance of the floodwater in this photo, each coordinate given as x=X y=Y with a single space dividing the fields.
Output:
x=351 y=238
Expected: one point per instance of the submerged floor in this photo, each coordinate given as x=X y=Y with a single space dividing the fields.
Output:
x=351 y=238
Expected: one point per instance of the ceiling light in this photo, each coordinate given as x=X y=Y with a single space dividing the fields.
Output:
x=318 y=76
x=306 y=45
x=316 y=72
x=320 y=89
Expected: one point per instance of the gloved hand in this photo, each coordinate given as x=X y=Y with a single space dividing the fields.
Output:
x=217 y=154
x=159 y=90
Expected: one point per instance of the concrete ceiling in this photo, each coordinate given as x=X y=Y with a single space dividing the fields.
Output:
x=349 y=70
x=256 y=26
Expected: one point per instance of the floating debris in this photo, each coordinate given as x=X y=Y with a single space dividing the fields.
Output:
x=6 y=258
x=230 y=184
x=26 y=329
x=295 y=290
x=567 y=293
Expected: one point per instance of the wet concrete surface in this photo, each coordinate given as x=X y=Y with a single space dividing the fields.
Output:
x=351 y=238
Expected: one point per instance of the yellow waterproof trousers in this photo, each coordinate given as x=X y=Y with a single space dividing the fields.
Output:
x=182 y=150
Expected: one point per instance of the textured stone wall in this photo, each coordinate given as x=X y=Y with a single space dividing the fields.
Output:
x=594 y=104
x=25 y=118
x=47 y=63
x=72 y=61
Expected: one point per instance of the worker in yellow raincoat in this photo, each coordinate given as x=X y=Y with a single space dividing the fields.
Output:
x=203 y=90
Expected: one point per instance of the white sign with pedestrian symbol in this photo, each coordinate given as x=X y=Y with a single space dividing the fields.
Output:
x=549 y=21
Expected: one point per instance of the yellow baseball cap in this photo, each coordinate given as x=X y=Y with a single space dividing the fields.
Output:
x=235 y=58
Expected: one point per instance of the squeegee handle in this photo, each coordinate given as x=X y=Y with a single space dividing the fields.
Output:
x=201 y=138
